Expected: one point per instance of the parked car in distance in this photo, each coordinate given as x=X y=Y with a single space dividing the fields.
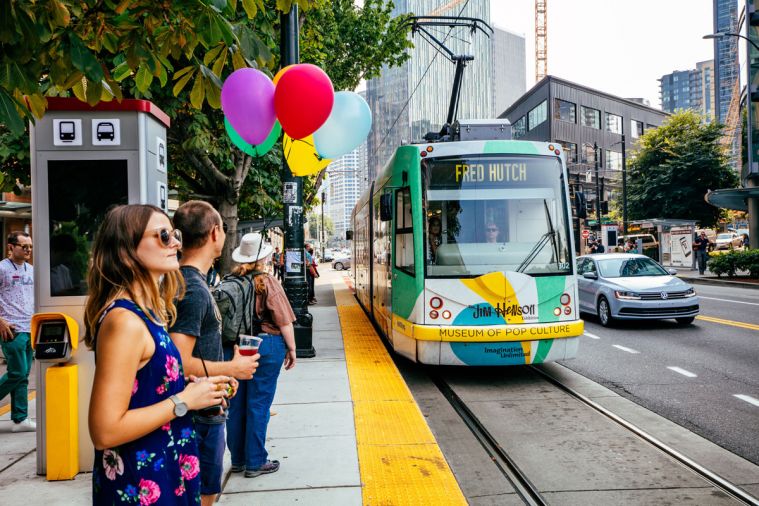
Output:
x=649 y=241
x=328 y=256
x=729 y=240
x=624 y=286
x=341 y=263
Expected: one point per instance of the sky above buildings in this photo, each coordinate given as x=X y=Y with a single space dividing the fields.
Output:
x=617 y=46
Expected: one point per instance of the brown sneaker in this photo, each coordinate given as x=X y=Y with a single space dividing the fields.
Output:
x=271 y=466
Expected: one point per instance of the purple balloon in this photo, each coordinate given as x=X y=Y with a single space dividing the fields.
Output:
x=247 y=99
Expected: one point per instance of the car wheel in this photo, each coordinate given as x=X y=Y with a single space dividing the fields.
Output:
x=604 y=312
x=338 y=266
x=686 y=320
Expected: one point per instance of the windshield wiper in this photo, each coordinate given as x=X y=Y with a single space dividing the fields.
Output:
x=550 y=235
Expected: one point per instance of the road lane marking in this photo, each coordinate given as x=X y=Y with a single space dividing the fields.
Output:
x=747 y=398
x=728 y=300
x=592 y=336
x=732 y=323
x=628 y=350
x=683 y=372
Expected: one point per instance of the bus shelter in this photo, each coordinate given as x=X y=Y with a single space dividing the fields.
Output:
x=673 y=240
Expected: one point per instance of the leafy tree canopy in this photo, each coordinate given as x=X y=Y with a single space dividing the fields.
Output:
x=674 y=167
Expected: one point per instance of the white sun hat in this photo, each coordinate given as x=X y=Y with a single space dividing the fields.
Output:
x=251 y=249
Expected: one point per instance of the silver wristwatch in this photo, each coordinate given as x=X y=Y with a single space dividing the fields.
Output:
x=180 y=408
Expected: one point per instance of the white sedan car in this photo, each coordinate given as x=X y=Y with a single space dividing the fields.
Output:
x=625 y=286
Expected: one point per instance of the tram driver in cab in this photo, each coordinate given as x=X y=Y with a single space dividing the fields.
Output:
x=491 y=232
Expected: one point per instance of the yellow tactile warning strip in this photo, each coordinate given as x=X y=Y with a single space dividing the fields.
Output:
x=7 y=407
x=399 y=459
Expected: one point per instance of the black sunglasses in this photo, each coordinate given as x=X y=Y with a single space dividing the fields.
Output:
x=24 y=247
x=165 y=235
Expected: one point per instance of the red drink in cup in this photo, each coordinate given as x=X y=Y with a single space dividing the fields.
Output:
x=249 y=345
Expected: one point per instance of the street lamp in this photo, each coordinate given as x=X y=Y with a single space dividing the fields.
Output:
x=720 y=35
x=624 y=185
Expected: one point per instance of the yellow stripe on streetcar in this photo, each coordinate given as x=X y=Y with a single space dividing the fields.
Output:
x=732 y=323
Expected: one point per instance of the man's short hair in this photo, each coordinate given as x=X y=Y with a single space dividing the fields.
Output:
x=196 y=220
x=13 y=236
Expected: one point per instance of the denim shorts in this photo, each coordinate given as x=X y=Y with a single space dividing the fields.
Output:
x=210 y=439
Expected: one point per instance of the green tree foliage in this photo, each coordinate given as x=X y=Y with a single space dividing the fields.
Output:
x=674 y=167
x=56 y=47
x=315 y=224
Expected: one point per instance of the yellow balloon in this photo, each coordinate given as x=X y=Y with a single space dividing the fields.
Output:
x=302 y=157
x=280 y=73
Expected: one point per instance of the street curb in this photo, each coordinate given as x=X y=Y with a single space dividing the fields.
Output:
x=719 y=282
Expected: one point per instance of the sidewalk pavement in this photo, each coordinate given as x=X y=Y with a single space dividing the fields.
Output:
x=311 y=433
x=692 y=276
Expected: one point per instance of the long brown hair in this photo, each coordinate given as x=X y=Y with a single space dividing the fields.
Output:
x=245 y=269
x=115 y=269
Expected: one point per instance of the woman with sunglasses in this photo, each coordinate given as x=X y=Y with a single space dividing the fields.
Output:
x=144 y=439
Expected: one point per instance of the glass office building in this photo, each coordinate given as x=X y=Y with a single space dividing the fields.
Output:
x=411 y=100
x=726 y=66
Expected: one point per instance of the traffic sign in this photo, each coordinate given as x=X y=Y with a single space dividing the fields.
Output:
x=585 y=233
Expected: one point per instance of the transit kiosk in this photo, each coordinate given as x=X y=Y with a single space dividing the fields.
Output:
x=84 y=160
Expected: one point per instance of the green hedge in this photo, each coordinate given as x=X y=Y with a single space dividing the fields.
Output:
x=733 y=261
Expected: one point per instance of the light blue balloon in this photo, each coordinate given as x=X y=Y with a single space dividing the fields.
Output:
x=346 y=128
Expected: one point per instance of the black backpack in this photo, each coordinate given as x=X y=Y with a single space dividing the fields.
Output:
x=235 y=297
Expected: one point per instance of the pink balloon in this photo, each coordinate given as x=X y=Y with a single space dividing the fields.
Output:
x=303 y=100
x=247 y=99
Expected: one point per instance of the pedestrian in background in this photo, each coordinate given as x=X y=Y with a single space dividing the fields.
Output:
x=600 y=248
x=16 y=309
x=197 y=333
x=311 y=273
x=249 y=411
x=746 y=244
x=701 y=247
x=138 y=421
x=276 y=262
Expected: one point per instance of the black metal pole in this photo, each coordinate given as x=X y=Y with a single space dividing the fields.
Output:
x=295 y=284
x=324 y=195
x=598 y=190
x=624 y=188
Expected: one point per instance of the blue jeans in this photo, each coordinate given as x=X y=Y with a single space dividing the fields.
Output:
x=249 y=410
x=210 y=439
x=18 y=354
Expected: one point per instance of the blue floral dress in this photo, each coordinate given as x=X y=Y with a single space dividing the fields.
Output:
x=162 y=467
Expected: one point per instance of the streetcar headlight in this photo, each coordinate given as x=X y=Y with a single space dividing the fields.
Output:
x=690 y=292
x=625 y=295
x=436 y=302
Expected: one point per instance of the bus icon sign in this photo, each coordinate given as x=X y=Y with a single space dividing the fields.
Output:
x=106 y=132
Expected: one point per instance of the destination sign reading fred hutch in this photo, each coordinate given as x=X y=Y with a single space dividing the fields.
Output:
x=484 y=172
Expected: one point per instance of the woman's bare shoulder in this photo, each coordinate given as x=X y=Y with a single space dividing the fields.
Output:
x=120 y=322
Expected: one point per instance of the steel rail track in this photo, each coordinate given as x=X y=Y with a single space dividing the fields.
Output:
x=522 y=484
x=716 y=480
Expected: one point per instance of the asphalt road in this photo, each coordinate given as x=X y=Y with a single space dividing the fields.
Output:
x=704 y=376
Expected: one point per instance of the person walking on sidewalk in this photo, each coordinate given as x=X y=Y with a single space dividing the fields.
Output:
x=249 y=411
x=16 y=309
x=275 y=263
x=311 y=273
x=197 y=333
x=701 y=246
x=145 y=451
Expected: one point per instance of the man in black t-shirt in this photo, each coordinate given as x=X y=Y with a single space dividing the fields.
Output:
x=197 y=334
x=701 y=247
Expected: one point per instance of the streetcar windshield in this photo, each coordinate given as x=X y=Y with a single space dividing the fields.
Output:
x=495 y=213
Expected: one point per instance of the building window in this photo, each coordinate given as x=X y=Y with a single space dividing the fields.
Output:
x=570 y=150
x=614 y=123
x=636 y=128
x=537 y=115
x=565 y=111
x=613 y=160
x=588 y=154
x=518 y=128
x=590 y=117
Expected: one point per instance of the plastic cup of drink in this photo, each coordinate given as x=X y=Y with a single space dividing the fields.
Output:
x=249 y=345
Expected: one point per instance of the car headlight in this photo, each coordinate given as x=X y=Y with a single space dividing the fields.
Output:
x=690 y=292
x=625 y=295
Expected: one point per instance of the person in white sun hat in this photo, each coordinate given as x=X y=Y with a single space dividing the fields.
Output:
x=249 y=410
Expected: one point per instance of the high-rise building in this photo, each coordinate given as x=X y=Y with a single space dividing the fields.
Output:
x=689 y=89
x=343 y=188
x=726 y=65
x=509 y=68
x=411 y=100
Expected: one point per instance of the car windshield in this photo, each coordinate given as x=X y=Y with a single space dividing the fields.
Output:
x=495 y=213
x=630 y=267
x=725 y=236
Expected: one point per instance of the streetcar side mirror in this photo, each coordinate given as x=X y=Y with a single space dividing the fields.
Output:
x=349 y=235
x=386 y=207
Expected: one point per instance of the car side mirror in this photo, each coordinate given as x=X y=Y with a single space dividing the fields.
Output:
x=672 y=271
x=386 y=207
x=590 y=275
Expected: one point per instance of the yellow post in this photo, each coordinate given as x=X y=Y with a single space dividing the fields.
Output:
x=62 y=422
